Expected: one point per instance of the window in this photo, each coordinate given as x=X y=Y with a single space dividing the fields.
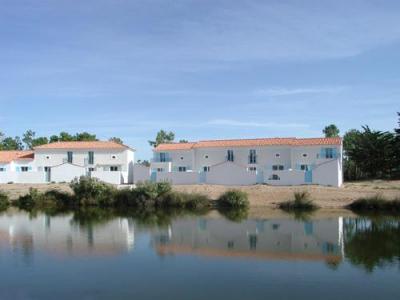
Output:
x=24 y=169
x=113 y=156
x=2 y=169
x=229 y=156
x=69 y=157
x=163 y=157
x=252 y=169
x=252 y=156
x=304 y=167
x=206 y=169
x=114 y=168
x=277 y=155
x=305 y=155
x=274 y=177
x=181 y=157
x=329 y=153
x=160 y=169
x=206 y=156
x=278 y=167
x=47 y=157
x=91 y=157
x=91 y=169
x=182 y=169
x=253 y=241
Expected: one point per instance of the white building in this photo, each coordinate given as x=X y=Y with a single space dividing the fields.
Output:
x=63 y=161
x=275 y=161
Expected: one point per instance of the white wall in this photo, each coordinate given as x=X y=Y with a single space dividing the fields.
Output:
x=229 y=173
x=287 y=177
x=328 y=173
x=140 y=173
x=66 y=173
x=108 y=177
x=178 y=177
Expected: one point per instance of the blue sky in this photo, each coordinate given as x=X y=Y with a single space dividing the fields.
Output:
x=203 y=69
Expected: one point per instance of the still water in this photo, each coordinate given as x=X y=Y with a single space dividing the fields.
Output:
x=101 y=256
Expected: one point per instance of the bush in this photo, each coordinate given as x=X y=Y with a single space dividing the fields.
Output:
x=233 y=199
x=4 y=201
x=92 y=192
x=301 y=201
x=375 y=203
x=49 y=199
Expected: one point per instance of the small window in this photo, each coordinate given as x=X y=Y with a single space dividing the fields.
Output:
x=229 y=156
x=277 y=155
x=182 y=169
x=206 y=156
x=252 y=169
x=2 y=169
x=160 y=169
x=47 y=157
x=206 y=169
x=181 y=157
x=304 y=167
x=24 y=169
x=114 y=168
x=278 y=167
x=91 y=169
x=305 y=154
x=113 y=157
x=275 y=177
x=69 y=157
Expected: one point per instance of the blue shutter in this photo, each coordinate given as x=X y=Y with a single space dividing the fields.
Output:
x=334 y=153
x=322 y=153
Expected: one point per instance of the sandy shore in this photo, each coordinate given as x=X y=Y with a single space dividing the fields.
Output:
x=262 y=196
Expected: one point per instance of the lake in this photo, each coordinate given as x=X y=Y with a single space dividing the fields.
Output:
x=97 y=255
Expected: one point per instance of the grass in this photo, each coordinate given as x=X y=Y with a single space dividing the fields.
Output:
x=375 y=203
x=233 y=199
x=301 y=201
x=4 y=201
x=89 y=192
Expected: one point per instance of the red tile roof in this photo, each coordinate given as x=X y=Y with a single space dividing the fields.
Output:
x=9 y=156
x=250 y=143
x=83 y=145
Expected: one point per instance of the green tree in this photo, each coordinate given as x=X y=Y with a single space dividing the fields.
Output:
x=54 y=138
x=143 y=162
x=28 y=138
x=331 y=131
x=183 y=141
x=85 y=136
x=163 y=137
x=65 y=137
x=116 y=140
x=40 y=141
x=10 y=143
x=372 y=153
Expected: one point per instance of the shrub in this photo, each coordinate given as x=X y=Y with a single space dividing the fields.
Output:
x=233 y=199
x=49 y=199
x=4 y=201
x=91 y=192
x=234 y=214
x=375 y=203
x=301 y=201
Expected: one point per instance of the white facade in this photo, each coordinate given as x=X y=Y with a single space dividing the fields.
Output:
x=270 y=161
x=64 y=161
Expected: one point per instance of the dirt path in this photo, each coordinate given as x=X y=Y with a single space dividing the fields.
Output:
x=261 y=195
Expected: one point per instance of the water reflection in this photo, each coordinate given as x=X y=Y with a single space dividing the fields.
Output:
x=285 y=239
x=366 y=242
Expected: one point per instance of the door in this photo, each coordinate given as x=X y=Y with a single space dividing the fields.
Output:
x=153 y=176
x=308 y=177
x=47 y=171
x=202 y=177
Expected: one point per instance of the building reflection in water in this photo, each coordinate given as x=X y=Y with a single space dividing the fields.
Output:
x=62 y=236
x=264 y=239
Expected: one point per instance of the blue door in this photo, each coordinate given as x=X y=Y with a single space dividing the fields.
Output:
x=308 y=177
x=202 y=177
x=153 y=176
x=260 y=177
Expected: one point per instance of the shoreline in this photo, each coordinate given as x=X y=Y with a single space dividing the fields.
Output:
x=260 y=196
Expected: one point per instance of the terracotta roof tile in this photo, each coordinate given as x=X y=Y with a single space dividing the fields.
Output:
x=251 y=143
x=83 y=145
x=9 y=156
